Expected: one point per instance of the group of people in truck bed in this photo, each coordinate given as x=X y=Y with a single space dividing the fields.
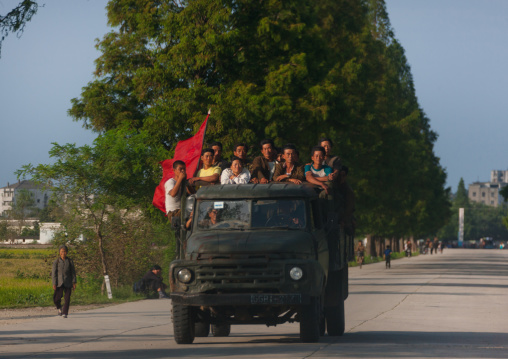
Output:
x=274 y=165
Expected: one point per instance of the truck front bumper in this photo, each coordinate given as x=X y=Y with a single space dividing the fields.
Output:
x=212 y=300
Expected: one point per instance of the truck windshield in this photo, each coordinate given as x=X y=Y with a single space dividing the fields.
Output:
x=247 y=214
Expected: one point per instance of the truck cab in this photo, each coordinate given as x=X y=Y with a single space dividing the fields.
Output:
x=258 y=254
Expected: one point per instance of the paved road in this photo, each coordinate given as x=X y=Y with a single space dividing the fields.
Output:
x=439 y=306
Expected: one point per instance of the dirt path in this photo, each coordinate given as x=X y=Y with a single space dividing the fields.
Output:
x=23 y=315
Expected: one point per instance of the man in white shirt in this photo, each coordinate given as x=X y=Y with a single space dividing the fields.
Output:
x=172 y=188
x=236 y=174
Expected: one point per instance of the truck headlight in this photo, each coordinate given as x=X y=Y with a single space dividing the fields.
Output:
x=296 y=273
x=184 y=275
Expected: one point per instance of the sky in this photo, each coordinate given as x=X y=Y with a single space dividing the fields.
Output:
x=458 y=52
x=40 y=72
x=457 y=49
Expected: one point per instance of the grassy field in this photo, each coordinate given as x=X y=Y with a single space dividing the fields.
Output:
x=25 y=281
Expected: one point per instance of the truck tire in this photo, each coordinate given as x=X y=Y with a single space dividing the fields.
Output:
x=221 y=330
x=183 y=324
x=201 y=329
x=310 y=317
x=335 y=320
x=322 y=326
x=334 y=314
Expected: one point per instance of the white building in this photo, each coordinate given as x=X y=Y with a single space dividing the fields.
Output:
x=498 y=176
x=8 y=195
x=47 y=232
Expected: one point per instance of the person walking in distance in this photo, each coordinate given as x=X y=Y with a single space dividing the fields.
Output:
x=387 y=255
x=360 y=250
x=63 y=277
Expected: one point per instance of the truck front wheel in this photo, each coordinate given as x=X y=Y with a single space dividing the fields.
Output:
x=310 y=317
x=183 y=324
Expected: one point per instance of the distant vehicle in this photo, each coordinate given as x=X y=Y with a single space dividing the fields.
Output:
x=489 y=243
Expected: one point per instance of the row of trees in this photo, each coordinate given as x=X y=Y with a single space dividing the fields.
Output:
x=289 y=70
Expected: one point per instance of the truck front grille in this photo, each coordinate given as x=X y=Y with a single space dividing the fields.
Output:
x=234 y=275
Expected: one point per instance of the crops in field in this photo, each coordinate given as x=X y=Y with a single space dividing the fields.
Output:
x=25 y=277
x=25 y=281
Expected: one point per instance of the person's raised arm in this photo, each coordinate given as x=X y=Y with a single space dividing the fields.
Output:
x=179 y=179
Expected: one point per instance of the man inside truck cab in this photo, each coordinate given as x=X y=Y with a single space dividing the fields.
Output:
x=288 y=214
x=211 y=218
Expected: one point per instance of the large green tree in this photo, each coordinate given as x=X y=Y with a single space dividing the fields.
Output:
x=289 y=70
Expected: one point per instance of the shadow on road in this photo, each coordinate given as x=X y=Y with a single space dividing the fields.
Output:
x=351 y=345
x=420 y=344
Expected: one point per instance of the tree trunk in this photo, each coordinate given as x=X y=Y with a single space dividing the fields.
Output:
x=101 y=250
x=371 y=245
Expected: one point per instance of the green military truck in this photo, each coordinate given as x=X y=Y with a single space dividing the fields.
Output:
x=260 y=254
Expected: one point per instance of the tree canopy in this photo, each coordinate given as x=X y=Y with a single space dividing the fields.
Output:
x=290 y=70
x=15 y=20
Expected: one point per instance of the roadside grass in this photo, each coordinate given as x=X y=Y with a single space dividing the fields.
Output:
x=25 y=281
x=369 y=259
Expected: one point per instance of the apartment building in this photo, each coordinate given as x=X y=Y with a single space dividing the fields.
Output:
x=488 y=192
x=498 y=176
x=8 y=195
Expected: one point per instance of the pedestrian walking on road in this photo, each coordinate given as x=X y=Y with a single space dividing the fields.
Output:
x=360 y=250
x=435 y=245
x=63 y=277
x=387 y=255
x=408 y=248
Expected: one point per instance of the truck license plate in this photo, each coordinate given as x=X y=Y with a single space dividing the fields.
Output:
x=276 y=299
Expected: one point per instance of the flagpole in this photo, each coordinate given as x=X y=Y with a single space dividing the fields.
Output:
x=202 y=142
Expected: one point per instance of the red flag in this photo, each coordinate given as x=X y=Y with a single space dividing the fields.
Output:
x=188 y=151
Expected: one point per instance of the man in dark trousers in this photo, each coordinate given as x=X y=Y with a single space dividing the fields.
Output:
x=388 y=255
x=63 y=277
x=153 y=282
